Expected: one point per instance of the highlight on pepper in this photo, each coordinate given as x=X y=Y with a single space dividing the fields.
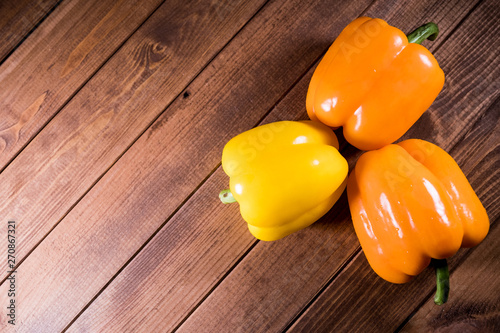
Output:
x=375 y=82
x=284 y=176
x=410 y=203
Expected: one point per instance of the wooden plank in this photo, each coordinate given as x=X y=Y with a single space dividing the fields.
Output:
x=168 y=166
x=475 y=285
x=470 y=86
x=479 y=149
x=358 y=297
x=172 y=304
x=18 y=18
x=56 y=60
x=90 y=133
x=101 y=121
x=475 y=300
x=249 y=299
x=55 y=267
x=177 y=152
x=174 y=273
x=198 y=247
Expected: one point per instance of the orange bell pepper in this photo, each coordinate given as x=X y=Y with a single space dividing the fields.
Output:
x=410 y=202
x=375 y=82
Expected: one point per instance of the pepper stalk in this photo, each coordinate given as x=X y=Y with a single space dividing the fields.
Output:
x=226 y=196
x=442 y=281
x=428 y=31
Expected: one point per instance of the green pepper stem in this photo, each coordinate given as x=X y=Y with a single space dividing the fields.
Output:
x=428 y=31
x=442 y=281
x=226 y=197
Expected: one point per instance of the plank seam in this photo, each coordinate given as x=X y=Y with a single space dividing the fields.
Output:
x=252 y=246
x=332 y=280
x=182 y=91
x=487 y=108
x=216 y=285
x=452 y=32
x=140 y=249
x=313 y=299
x=77 y=90
x=313 y=63
x=125 y=150
x=292 y=86
x=410 y=316
x=193 y=192
x=50 y=11
x=48 y=121
x=278 y=101
x=429 y=295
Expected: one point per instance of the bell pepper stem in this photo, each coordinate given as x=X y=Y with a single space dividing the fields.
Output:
x=226 y=197
x=442 y=281
x=428 y=31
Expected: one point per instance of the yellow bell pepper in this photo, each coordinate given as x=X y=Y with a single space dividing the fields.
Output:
x=284 y=175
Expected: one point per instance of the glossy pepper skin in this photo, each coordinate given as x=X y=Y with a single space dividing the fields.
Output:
x=284 y=175
x=373 y=83
x=410 y=202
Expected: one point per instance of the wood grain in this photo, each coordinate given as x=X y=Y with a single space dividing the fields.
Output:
x=168 y=165
x=173 y=272
x=243 y=302
x=479 y=150
x=56 y=60
x=86 y=137
x=475 y=285
x=149 y=247
x=471 y=83
x=18 y=18
x=102 y=120
x=359 y=298
x=171 y=305
x=195 y=277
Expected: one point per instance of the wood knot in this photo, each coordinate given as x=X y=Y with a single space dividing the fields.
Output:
x=158 y=48
x=153 y=54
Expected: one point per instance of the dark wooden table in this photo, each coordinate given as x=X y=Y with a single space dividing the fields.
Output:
x=113 y=118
